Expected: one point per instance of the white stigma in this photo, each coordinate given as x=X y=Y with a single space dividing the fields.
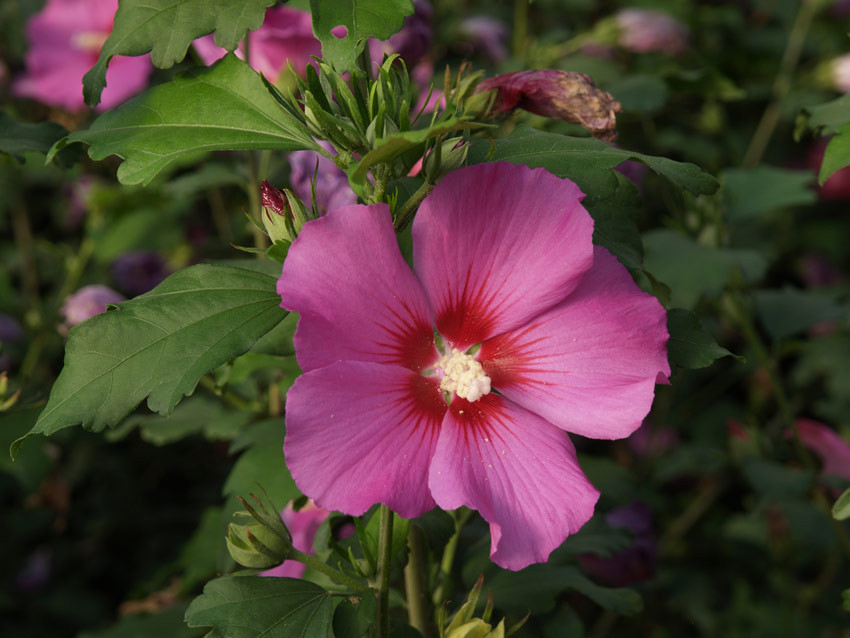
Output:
x=463 y=375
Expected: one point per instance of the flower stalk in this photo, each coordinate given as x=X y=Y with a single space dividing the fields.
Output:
x=385 y=546
x=419 y=610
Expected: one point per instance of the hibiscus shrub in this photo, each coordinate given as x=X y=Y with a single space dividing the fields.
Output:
x=399 y=318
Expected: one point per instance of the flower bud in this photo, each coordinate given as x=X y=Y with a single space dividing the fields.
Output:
x=283 y=213
x=562 y=95
x=451 y=156
x=256 y=546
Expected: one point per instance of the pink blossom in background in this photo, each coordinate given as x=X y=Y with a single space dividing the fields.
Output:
x=87 y=302
x=503 y=258
x=332 y=189
x=834 y=451
x=286 y=37
x=841 y=73
x=837 y=187
x=645 y=30
x=483 y=35
x=303 y=526
x=139 y=271
x=65 y=39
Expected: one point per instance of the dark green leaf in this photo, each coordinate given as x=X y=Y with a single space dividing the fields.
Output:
x=587 y=161
x=750 y=193
x=837 y=154
x=17 y=138
x=198 y=415
x=639 y=93
x=250 y=607
x=226 y=107
x=773 y=479
x=362 y=19
x=789 y=311
x=614 y=225
x=354 y=616
x=692 y=269
x=841 y=509
x=167 y=27
x=167 y=623
x=370 y=539
x=198 y=558
x=158 y=346
x=690 y=346
x=32 y=465
x=827 y=118
x=261 y=464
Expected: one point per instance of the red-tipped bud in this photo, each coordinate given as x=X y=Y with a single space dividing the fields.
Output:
x=562 y=95
x=283 y=213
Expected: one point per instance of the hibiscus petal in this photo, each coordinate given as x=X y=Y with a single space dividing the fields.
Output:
x=590 y=364
x=518 y=471
x=357 y=298
x=363 y=433
x=496 y=244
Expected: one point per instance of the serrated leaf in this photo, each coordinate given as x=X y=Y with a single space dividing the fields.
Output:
x=587 y=161
x=166 y=28
x=841 y=509
x=614 y=225
x=690 y=346
x=225 y=107
x=362 y=19
x=250 y=607
x=749 y=193
x=158 y=346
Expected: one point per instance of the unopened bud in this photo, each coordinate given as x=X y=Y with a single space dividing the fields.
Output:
x=254 y=545
x=562 y=95
x=451 y=156
x=283 y=213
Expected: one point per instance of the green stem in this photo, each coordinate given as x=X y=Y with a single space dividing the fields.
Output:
x=385 y=547
x=461 y=517
x=406 y=212
x=327 y=570
x=520 y=29
x=782 y=82
x=418 y=605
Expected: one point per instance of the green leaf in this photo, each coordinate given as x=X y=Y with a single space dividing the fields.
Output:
x=587 y=161
x=167 y=623
x=392 y=146
x=198 y=415
x=690 y=346
x=776 y=480
x=166 y=28
x=261 y=464
x=250 y=607
x=614 y=225
x=827 y=118
x=789 y=311
x=750 y=193
x=225 y=107
x=362 y=19
x=639 y=93
x=198 y=558
x=17 y=138
x=158 y=346
x=33 y=464
x=837 y=154
x=841 y=509
x=691 y=269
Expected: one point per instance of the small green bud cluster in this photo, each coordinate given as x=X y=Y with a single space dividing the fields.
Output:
x=464 y=625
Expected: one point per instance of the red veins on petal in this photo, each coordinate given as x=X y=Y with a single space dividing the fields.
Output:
x=407 y=342
x=424 y=405
x=469 y=318
x=479 y=419
x=508 y=359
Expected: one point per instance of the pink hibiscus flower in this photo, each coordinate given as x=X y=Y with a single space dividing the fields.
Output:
x=504 y=259
x=833 y=450
x=65 y=40
x=286 y=37
x=645 y=30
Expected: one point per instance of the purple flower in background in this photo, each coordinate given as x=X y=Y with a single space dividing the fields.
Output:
x=332 y=189
x=36 y=572
x=412 y=41
x=652 y=440
x=635 y=171
x=483 y=35
x=78 y=195
x=10 y=332
x=286 y=37
x=137 y=272
x=632 y=565
x=816 y=271
x=645 y=30
x=65 y=39
x=87 y=302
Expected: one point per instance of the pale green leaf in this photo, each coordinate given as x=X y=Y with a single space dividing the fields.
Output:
x=690 y=346
x=841 y=509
